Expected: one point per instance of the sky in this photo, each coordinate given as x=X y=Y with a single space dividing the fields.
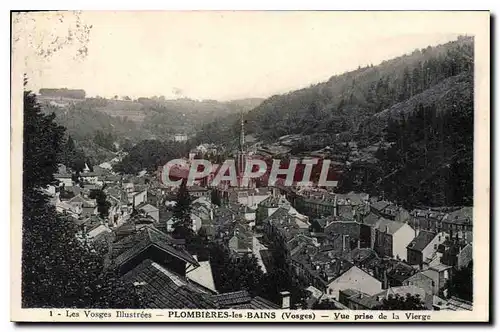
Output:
x=219 y=55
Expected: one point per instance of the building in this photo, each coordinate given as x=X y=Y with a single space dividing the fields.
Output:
x=180 y=138
x=423 y=247
x=163 y=288
x=354 y=278
x=149 y=210
x=392 y=238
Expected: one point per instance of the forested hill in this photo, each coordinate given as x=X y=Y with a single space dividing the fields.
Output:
x=416 y=111
x=100 y=126
x=346 y=101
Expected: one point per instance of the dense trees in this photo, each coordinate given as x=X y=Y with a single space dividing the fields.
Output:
x=149 y=155
x=232 y=273
x=398 y=302
x=58 y=271
x=183 y=225
x=461 y=283
x=346 y=102
x=102 y=203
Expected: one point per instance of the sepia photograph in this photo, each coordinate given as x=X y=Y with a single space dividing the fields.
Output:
x=250 y=166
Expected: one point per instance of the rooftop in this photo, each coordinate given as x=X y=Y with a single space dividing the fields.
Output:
x=164 y=289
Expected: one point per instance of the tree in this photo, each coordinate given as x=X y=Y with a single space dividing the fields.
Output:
x=183 y=225
x=232 y=273
x=58 y=270
x=461 y=283
x=215 y=198
x=325 y=305
x=102 y=203
x=398 y=302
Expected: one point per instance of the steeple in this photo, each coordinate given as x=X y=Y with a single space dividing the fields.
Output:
x=242 y=133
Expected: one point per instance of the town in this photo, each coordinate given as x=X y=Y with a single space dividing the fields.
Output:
x=343 y=251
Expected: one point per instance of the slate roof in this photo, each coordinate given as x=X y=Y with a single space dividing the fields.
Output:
x=164 y=289
x=456 y=304
x=146 y=207
x=380 y=205
x=421 y=241
x=128 y=247
x=390 y=226
x=242 y=300
x=371 y=219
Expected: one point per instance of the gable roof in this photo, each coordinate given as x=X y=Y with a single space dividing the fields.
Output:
x=137 y=242
x=421 y=241
x=164 y=289
x=389 y=226
x=146 y=207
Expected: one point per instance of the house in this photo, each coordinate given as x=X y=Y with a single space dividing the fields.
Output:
x=241 y=241
x=84 y=207
x=392 y=238
x=149 y=210
x=163 y=288
x=354 y=278
x=357 y=300
x=389 y=211
x=64 y=179
x=197 y=191
x=424 y=246
x=349 y=228
x=456 y=252
x=458 y=221
x=202 y=276
x=137 y=198
x=439 y=274
x=423 y=281
x=132 y=246
x=318 y=268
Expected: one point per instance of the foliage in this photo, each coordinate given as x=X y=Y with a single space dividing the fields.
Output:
x=461 y=283
x=398 y=302
x=58 y=271
x=102 y=203
x=324 y=305
x=149 y=155
x=232 y=273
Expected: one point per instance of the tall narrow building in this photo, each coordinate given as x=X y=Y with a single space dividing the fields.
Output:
x=241 y=157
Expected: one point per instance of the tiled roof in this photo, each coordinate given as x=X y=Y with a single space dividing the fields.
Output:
x=456 y=304
x=135 y=243
x=242 y=300
x=421 y=241
x=163 y=289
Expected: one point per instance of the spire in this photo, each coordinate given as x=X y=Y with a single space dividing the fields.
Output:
x=242 y=133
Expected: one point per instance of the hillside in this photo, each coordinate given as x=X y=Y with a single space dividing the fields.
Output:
x=401 y=117
x=345 y=101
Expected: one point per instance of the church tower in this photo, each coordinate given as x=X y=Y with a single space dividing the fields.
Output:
x=241 y=156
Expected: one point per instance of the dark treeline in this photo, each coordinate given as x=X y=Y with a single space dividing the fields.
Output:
x=58 y=270
x=429 y=161
x=63 y=93
x=339 y=108
x=149 y=155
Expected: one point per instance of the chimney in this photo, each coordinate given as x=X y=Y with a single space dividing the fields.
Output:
x=285 y=300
